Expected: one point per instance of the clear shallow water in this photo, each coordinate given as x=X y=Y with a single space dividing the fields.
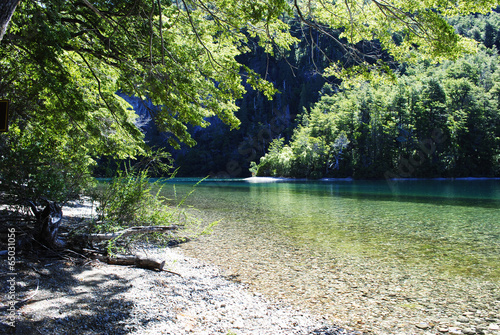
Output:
x=451 y=227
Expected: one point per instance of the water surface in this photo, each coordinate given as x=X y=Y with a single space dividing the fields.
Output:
x=452 y=226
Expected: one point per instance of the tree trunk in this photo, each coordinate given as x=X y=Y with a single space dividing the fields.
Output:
x=47 y=225
x=7 y=8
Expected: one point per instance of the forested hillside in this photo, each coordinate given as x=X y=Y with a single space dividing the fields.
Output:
x=372 y=131
x=435 y=121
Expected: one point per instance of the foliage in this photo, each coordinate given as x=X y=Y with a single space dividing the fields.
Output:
x=277 y=161
x=421 y=28
x=436 y=121
x=58 y=123
x=33 y=168
x=221 y=152
x=63 y=61
x=128 y=200
x=133 y=199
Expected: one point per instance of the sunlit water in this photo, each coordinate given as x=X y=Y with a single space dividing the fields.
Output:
x=453 y=226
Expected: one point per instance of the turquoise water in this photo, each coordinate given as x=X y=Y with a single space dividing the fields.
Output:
x=450 y=226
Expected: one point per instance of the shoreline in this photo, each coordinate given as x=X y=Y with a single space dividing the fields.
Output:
x=218 y=295
x=89 y=297
x=350 y=179
x=110 y=299
x=346 y=179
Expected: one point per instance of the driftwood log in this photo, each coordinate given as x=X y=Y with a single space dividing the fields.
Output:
x=139 y=261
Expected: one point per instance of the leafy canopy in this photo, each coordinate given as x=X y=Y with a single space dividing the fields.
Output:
x=63 y=61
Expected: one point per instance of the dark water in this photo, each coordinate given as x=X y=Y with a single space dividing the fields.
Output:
x=450 y=226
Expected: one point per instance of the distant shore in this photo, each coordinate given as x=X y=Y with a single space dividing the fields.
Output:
x=350 y=179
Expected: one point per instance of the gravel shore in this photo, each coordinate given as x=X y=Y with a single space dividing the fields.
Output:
x=202 y=301
x=63 y=297
x=106 y=299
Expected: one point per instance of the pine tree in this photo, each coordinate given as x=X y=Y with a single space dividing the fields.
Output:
x=489 y=35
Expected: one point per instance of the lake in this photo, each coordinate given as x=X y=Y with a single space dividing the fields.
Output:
x=319 y=242
x=451 y=225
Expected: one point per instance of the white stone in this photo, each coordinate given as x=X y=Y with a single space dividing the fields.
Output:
x=493 y=326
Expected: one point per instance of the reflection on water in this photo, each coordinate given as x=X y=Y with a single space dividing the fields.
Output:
x=451 y=226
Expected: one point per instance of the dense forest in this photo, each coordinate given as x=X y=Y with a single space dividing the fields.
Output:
x=433 y=121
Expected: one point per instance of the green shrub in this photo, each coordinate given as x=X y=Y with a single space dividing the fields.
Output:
x=133 y=199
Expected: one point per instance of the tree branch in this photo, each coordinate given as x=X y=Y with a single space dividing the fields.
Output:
x=127 y=232
x=161 y=34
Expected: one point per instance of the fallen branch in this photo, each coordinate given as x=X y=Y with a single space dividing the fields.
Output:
x=32 y=295
x=139 y=261
x=128 y=232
